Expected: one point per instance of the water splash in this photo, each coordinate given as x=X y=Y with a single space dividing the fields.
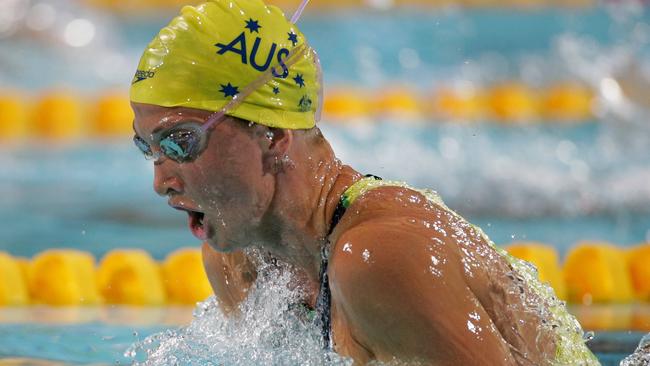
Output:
x=641 y=356
x=272 y=329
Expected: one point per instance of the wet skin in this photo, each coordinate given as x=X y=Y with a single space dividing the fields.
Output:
x=409 y=280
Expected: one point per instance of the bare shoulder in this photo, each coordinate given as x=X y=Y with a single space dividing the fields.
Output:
x=402 y=293
x=400 y=257
x=376 y=254
x=382 y=232
x=375 y=249
x=388 y=228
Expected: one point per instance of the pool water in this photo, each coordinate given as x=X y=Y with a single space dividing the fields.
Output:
x=106 y=342
x=557 y=184
x=80 y=335
x=94 y=343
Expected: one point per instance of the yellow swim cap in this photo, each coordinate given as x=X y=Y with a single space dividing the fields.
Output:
x=210 y=53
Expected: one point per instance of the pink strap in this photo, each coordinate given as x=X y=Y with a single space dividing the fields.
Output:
x=292 y=58
x=299 y=11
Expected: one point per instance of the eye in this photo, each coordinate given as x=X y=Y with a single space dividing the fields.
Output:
x=143 y=147
x=180 y=145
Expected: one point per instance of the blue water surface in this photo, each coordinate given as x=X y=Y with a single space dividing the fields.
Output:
x=99 y=343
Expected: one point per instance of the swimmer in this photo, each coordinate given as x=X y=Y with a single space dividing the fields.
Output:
x=226 y=100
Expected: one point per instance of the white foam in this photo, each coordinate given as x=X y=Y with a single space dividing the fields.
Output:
x=269 y=331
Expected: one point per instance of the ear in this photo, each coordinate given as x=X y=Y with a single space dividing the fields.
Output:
x=275 y=146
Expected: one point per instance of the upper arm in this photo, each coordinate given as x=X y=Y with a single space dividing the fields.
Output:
x=403 y=295
x=230 y=275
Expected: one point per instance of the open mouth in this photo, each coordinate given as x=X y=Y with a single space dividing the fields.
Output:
x=195 y=221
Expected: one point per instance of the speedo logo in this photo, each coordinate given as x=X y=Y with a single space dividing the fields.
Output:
x=142 y=75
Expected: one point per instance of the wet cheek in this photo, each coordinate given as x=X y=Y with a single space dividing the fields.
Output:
x=220 y=188
x=198 y=181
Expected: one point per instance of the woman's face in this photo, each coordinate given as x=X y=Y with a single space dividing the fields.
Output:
x=225 y=190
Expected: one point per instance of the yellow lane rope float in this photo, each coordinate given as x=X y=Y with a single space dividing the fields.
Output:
x=592 y=273
x=64 y=115
x=599 y=280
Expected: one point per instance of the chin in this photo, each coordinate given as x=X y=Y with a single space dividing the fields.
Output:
x=221 y=245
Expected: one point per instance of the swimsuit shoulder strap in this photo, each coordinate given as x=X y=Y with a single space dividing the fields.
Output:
x=324 y=301
x=350 y=195
x=360 y=187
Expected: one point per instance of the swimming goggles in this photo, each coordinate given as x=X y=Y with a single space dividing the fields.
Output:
x=185 y=141
x=181 y=143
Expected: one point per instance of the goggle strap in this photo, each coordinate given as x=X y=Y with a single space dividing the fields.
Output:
x=299 y=11
x=319 y=77
x=266 y=76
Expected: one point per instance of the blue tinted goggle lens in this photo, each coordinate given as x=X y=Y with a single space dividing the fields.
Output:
x=180 y=144
x=144 y=147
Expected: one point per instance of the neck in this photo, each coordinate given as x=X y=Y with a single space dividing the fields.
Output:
x=306 y=196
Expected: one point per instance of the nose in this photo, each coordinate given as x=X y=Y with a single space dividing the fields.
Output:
x=165 y=182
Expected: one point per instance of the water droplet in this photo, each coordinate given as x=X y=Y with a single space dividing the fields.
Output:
x=366 y=255
x=130 y=353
